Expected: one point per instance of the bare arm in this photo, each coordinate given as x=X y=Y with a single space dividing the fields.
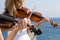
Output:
x=13 y=34
x=39 y=23
x=1 y=36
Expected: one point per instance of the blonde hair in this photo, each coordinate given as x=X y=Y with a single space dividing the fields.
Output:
x=10 y=5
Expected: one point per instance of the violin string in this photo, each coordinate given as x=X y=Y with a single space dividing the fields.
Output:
x=32 y=11
x=33 y=8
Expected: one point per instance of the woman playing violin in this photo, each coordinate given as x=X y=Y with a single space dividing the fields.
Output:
x=24 y=10
x=18 y=4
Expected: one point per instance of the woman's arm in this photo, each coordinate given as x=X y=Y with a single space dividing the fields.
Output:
x=1 y=36
x=13 y=33
x=39 y=23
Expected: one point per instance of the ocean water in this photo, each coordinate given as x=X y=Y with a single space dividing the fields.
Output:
x=49 y=32
x=5 y=35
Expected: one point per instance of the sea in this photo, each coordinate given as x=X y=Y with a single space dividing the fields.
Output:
x=48 y=31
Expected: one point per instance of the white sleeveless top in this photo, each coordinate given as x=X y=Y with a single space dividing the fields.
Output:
x=22 y=35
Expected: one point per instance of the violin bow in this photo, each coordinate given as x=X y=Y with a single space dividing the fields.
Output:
x=33 y=9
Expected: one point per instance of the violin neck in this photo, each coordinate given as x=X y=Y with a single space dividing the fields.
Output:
x=53 y=23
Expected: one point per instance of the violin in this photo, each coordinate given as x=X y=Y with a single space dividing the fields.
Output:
x=22 y=13
x=36 y=16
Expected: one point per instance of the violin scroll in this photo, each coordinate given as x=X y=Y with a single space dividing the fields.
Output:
x=53 y=23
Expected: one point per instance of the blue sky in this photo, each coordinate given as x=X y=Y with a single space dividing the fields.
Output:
x=49 y=8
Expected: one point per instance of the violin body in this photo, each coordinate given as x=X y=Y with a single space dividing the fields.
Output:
x=22 y=13
x=36 y=18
